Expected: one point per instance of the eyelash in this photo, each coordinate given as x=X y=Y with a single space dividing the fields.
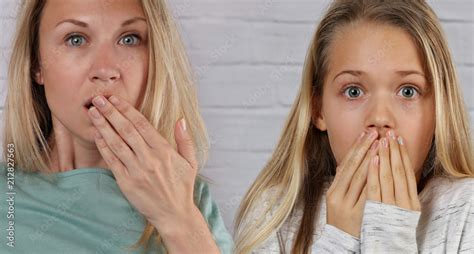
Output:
x=72 y=35
x=346 y=88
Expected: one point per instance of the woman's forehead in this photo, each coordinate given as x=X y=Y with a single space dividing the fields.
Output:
x=91 y=11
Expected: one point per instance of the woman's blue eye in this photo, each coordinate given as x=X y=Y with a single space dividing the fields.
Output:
x=408 y=92
x=75 y=40
x=353 y=92
x=130 y=39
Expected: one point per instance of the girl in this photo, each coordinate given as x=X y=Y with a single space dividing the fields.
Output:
x=93 y=156
x=376 y=155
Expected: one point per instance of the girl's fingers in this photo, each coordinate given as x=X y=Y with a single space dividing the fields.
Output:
x=360 y=177
x=398 y=172
x=349 y=165
x=362 y=197
x=385 y=174
x=373 y=184
x=410 y=176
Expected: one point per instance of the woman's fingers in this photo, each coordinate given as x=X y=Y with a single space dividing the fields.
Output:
x=373 y=184
x=185 y=144
x=121 y=125
x=360 y=177
x=385 y=174
x=351 y=162
x=410 y=176
x=398 y=172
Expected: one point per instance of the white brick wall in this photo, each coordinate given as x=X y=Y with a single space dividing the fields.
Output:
x=248 y=56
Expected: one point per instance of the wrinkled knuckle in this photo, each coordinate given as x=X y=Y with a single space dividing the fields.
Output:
x=126 y=129
x=112 y=160
x=374 y=189
x=108 y=111
x=117 y=147
x=142 y=125
x=387 y=178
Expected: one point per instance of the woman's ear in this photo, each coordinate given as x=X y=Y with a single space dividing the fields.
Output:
x=317 y=117
x=39 y=78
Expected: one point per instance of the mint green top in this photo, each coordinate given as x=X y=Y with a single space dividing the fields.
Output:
x=82 y=211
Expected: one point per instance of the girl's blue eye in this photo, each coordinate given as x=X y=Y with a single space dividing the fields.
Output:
x=75 y=40
x=353 y=92
x=130 y=39
x=408 y=92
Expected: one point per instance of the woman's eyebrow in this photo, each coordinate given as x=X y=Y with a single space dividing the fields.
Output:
x=84 y=24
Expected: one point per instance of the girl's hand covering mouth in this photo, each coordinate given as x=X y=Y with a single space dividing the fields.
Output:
x=391 y=177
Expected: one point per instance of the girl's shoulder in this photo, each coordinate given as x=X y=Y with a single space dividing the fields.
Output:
x=443 y=190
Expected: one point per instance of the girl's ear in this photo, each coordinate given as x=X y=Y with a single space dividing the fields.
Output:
x=39 y=78
x=319 y=122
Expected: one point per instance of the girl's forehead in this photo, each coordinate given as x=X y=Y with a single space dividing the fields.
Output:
x=374 y=48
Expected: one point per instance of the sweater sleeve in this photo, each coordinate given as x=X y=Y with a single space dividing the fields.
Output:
x=334 y=240
x=388 y=229
x=467 y=234
x=211 y=214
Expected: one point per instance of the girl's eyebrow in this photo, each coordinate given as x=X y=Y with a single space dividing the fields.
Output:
x=84 y=24
x=402 y=73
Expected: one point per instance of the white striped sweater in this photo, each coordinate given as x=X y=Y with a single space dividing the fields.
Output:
x=444 y=225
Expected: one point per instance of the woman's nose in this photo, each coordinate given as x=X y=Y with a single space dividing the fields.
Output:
x=104 y=67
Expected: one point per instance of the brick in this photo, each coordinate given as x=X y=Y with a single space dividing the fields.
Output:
x=8 y=29
x=4 y=60
x=461 y=10
x=250 y=10
x=460 y=41
x=244 y=131
x=9 y=8
x=471 y=116
x=3 y=92
x=466 y=80
x=243 y=85
x=214 y=42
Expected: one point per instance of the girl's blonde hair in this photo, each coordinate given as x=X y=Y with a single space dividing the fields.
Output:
x=169 y=94
x=303 y=160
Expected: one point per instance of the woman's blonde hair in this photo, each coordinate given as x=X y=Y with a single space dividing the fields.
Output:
x=303 y=160
x=169 y=95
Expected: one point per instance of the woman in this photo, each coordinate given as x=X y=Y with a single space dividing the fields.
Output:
x=95 y=154
x=376 y=155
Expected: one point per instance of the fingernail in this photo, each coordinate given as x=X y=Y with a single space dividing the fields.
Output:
x=375 y=160
x=183 y=124
x=114 y=100
x=391 y=134
x=384 y=142
x=374 y=145
x=400 y=140
x=98 y=101
x=361 y=135
x=94 y=112
x=373 y=134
